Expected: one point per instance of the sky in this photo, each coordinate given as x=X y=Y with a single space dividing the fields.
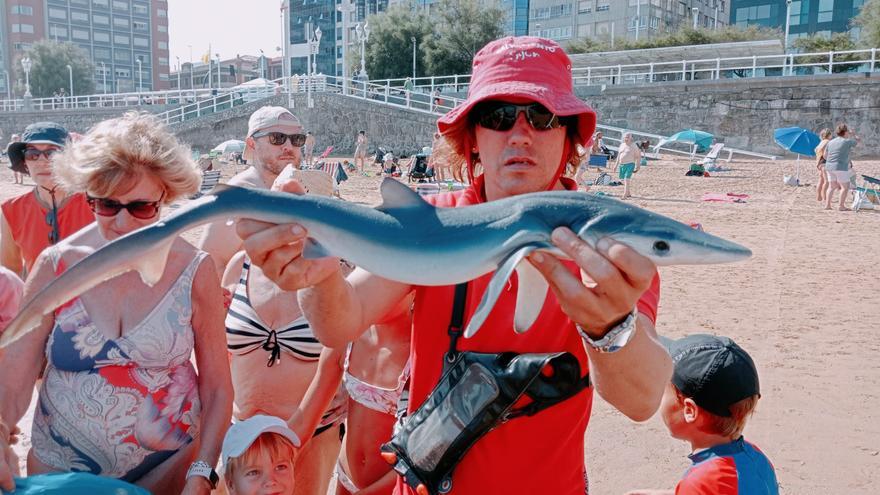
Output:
x=231 y=27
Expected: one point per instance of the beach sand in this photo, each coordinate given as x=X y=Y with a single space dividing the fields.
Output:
x=805 y=306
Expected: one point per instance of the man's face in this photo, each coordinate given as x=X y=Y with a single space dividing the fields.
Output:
x=273 y=158
x=519 y=160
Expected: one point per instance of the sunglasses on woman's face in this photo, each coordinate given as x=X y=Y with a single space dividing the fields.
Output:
x=278 y=138
x=33 y=154
x=143 y=210
x=500 y=116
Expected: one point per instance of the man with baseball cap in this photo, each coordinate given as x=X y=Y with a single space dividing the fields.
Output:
x=39 y=218
x=274 y=139
x=713 y=392
x=522 y=123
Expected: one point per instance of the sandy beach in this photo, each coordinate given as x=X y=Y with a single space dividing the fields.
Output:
x=805 y=306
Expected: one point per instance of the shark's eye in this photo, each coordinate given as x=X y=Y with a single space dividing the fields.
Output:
x=661 y=247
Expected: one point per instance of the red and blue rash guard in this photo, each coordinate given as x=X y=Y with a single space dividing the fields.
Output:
x=735 y=468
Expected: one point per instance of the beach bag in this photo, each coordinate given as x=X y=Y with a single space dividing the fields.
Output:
x=604 y=179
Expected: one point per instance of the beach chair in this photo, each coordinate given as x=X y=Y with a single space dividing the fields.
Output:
x=867 y=196
x=710 y=160
x=210 y=178
x=418 y=169
x=598 y=161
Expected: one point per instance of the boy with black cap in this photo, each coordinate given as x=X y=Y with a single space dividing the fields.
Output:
x=714 y=390
x=37 y=219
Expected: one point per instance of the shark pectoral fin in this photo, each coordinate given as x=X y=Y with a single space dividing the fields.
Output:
x=496 y=285
x=531 y=293
x=313 y=249
x=151 y=265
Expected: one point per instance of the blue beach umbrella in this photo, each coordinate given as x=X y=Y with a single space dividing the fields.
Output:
x=797 y=140
x=700 y=139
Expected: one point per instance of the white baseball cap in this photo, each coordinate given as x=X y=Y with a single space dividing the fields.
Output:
x=266 y=117
x=242 y=434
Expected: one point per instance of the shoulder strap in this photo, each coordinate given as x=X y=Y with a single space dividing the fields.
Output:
x=457 y=320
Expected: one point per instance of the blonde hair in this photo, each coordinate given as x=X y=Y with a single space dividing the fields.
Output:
x=276 y=446
x=116 y=153
x=825 y=133
x=731 y=426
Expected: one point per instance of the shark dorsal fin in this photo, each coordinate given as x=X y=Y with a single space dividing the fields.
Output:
x=396 y=196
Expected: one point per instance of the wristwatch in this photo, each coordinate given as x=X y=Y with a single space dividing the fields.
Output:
x=203 y=469
x=616 y=338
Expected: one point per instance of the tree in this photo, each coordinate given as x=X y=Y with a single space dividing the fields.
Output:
x=390 y=47
x=683 y=36
x=49 y=61
x=818 y=43
x=461 y=28
x=869 y=22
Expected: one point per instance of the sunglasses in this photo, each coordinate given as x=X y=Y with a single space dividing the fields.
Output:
x=33 y=154
x=500 y=116
x=143 y=210
x=278 y=138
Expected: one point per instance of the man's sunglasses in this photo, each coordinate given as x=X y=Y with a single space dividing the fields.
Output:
x=143 y=210
x=278 y=138
x=33 y=154
x=500 y=116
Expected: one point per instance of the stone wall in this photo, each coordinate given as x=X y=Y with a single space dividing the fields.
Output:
x=76 y=120
x=744 y=113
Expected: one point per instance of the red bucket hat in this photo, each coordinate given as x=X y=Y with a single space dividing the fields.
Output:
x=524 y=68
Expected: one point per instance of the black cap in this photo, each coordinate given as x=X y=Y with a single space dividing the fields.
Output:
x=38 y=133
x=713 y=371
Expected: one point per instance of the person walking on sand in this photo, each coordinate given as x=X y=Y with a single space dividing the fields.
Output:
x=360 y=151
x=825 y=134
x=628 y=159
x=309 y=149
x=837 y=165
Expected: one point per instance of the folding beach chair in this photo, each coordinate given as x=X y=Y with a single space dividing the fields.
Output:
x=210 y=178
x=710 y=160
x=867 y=195
x=598 y=161
x=326 y=152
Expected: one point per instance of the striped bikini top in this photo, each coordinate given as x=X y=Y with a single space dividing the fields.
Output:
x=246 y=332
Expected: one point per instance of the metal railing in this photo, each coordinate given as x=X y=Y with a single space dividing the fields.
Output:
x=174 y=97
x=792 y=64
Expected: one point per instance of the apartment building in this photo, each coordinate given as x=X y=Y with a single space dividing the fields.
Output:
x=126 y=39
x=806 y=17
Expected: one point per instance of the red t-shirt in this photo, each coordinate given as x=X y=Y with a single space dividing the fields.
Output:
x=538 y=454
x=30 y=230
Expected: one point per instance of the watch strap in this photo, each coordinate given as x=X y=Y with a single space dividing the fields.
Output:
x=616 y=338
x=205 y=470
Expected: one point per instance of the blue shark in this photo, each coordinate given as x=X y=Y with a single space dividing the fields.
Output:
x=407 y=240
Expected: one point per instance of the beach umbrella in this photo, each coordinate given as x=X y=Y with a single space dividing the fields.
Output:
x=797 y=140
x=700 y=139
x=231 y=146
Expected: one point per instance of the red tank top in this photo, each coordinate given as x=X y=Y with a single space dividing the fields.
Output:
x=30 y=230
x=539 y=454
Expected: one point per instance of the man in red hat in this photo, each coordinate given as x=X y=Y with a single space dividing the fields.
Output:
x=522 y=123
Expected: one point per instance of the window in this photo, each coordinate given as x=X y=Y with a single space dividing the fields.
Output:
x=161 y=12
x=120 y=22
x=142 y=42
x=102 y=36
x=21 y=46
x=585 y=30
x=139 y=25
x=22 y=10
x=23 y=28
x=826 y=11
x=140 y=9
x=602 y=6
x=120 y=5
x=101 y=19
x=80 y=34
x=163 y=45
x=101 y=3
x=56 y=31
x=585 y=6
x=79 y=16
x=122 y=56
x=164 y=29
x=163 y=61
x=123 y=73
x=57 y=13
x=121 y=39
x=102 y=53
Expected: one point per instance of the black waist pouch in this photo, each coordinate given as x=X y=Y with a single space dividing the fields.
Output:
x=476 y=393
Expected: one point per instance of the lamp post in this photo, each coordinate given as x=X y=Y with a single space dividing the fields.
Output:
x=413 y=38
x=716 y=16
x=8 y=87
x=140 y=75
x=316 y=50
x=26 y=65
x=638 y=17
x=363 y=34
x=104 y=75
x=192 y=77
x=787 y=22
x=179 y=69
x=346 y=7
x=696 y=12
x=262 y=70
x=70 y=80
x=218 y=71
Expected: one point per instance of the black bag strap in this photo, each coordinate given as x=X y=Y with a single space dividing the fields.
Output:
x=457 y=320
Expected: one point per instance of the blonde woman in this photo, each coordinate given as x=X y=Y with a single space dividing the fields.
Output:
x=825 y=134
x=120 y=396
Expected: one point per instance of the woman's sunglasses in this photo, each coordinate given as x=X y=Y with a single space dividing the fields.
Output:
x=33 y=154
x=278 y=138
x=500 y=116
x=143 y=210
